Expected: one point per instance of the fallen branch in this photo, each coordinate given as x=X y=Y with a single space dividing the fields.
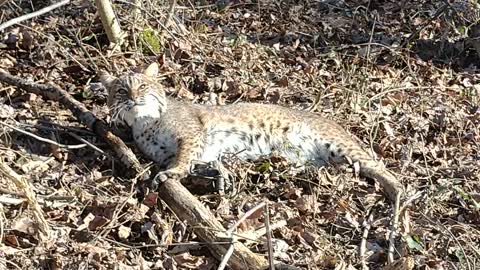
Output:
x=206 y=226
x=178 y=198
x=33 y=14
x=109 y=21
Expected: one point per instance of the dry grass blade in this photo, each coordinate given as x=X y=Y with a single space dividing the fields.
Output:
x=23 y=185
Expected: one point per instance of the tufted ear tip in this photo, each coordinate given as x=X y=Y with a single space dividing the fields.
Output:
x=105 y=78
x=151 y=70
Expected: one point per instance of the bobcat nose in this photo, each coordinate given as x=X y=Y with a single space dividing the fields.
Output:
x=139 y=101
x=133 y=96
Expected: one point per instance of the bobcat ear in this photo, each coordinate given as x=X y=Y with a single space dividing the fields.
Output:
x=151 y=70
x=105 y=78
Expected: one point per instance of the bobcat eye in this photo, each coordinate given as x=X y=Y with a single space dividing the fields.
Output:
x=142 y=87
x=122 y=91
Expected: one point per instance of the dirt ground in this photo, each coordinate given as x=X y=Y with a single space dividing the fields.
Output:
x=400 y=75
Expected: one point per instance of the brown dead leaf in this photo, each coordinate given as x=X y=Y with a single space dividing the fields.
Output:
x=25 y=225
x=151 y=199
x=98 y=222
x=188 y=261
x=93 y=249
x=311 y=237
x=405 y=263
x=306 y=203
x=11 y=240
x=283 y=82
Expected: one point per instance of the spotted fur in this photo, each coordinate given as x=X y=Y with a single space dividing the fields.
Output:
x=174 y=133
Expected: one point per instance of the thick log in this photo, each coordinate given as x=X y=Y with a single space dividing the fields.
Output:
x=206 y=226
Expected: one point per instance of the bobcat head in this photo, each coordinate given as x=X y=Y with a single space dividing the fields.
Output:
x=134 y=96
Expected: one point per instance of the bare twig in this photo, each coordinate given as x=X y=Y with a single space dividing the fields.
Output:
x=393 y=232
x=89 y=144
x=232 y=237
x=269 y=238
x=33 y=14
x=363 y=244
x=371 y=38
x=44 y=139
x=227 y=256
x=2 y=218
x=7 y=200
x=23 y=185
x=3 y=2
x=437 y=14
x=187 y=207
x=80 y=44
x=245 y=216
x=170 y=12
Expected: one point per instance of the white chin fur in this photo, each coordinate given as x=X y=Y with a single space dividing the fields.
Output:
x=139 y=113
x=150 y=110
x=146 y=111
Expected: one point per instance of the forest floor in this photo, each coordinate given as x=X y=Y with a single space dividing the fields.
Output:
x=400 y=75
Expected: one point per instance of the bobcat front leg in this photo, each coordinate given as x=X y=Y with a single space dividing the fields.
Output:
x=188 y=149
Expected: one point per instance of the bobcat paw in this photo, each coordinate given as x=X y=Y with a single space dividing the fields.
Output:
x=164 y=176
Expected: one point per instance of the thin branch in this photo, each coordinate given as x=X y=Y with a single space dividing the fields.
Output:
x=23 y=185
x=226 y=257
x=393 y=232
x=367 y=224
x=269 y=238
x=245 y=216
x=33 y=14
x=86 y=142
x=45 y=140
x=170 y=12
x=231 y=248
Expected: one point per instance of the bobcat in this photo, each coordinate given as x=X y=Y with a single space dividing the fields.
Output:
x=174 y=133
